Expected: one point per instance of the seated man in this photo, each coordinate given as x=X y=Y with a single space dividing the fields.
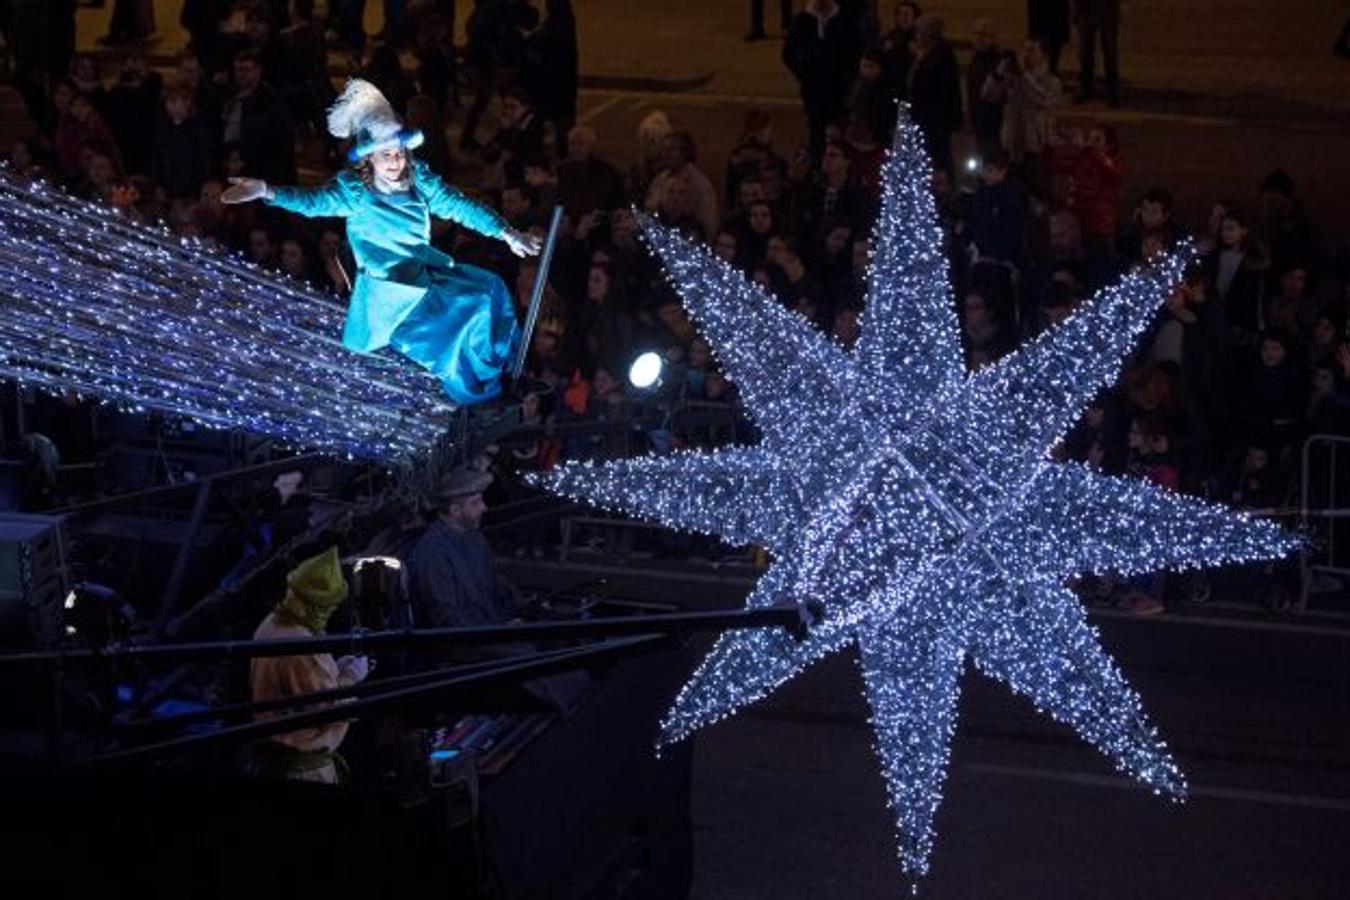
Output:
x=453 y=580
x=314 y=589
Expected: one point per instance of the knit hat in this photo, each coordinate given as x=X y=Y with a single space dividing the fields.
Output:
x=313 y=590
x=457 y=484
x=361 y=112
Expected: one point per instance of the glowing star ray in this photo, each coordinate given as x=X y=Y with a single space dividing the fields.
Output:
x=775 y=356
x=907 y=351
x=94 y=304
x=910 y=672
x=745 y=666
x=1029 y=399
x=927 y=518
x=1044 y=649
x=723 y=493
x=1123 y=526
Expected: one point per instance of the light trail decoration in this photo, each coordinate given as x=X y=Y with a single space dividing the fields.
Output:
x=95 y=304
x=918 y=503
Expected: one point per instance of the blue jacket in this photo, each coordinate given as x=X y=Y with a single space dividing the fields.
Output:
x=390 y=237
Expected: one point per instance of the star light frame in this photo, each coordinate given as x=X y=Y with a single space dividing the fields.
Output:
x=918 y=502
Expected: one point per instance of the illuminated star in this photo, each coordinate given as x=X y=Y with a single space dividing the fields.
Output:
x=918 y=503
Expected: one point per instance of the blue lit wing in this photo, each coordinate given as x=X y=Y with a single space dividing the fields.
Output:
x=743 y=495
x=95 y=305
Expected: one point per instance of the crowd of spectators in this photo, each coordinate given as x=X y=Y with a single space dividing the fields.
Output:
x=1246 y=360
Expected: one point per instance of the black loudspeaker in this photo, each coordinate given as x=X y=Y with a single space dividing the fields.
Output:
x=32 y=581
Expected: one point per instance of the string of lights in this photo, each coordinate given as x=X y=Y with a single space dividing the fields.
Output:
x=918 y=503
x=106 y=309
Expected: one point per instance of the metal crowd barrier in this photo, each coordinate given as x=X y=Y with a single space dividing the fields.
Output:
x=1322 y=512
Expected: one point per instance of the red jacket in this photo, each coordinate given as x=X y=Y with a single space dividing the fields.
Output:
x=1096 y=192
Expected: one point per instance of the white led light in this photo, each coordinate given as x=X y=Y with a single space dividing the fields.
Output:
x=645 y=370
x=389 y=562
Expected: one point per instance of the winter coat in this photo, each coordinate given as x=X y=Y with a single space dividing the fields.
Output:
x=986 y=116
x=266 y=140
x=1028 y=98
x=181 y=156
x=998 y=221
x=935 y=91
x=1048 y=21
x=823 y=63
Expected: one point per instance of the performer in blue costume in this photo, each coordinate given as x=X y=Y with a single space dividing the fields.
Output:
x=455 y=320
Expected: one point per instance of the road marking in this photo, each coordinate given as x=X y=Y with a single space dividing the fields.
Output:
x=602 y=108
x=1213 y=792
x=1306 y=628
x=696 y=99
x=1069 y=113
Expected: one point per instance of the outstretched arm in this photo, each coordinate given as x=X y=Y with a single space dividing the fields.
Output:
x=333 y=199
x=336 y=198
x=448 y=202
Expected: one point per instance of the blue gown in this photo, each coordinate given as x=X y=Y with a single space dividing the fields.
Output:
x=455 y=320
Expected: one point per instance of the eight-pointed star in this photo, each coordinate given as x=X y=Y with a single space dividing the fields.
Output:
x=917 y=501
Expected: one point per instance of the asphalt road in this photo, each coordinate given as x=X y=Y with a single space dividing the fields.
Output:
x=789 y=802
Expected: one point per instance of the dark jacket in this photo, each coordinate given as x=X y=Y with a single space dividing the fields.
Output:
x=935 y=91
x=556 y=50
x=587 y=184
x=998 y=220
x=181 y=157
x=453 y=581
x=514 y=145
x=986 y=117
x=1097 y=12
x=129 y=107
x=266 y=140
x=1048 y=21
x=823 y=64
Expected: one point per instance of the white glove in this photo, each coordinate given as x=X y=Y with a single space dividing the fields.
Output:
x=521 y=244
x=243 y=190
x=353 y=669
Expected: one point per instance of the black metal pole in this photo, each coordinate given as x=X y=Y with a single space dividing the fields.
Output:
x=253 y=708
x=537 y=296
x=277 y=465
x=794 y=618
x=180 y=564
x=511 y=670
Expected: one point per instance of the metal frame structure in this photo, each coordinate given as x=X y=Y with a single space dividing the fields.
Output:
x=612 y=637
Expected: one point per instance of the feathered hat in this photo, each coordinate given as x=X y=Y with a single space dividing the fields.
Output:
x=362 y=112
